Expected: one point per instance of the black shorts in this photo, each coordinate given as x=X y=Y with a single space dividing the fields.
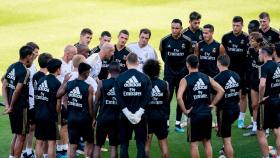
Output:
x=254 y=85
x=159 y=128
x=63 y=114
x=31 y=116
x=225 y=119
x=199 y=127
x=76 y=131
x=46 y=130
x=110 y=129
x=19 y=122
x=268 y=117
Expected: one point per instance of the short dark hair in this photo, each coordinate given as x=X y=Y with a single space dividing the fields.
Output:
x=53 y=65
x=114 y=67
x=86 y=31
x=267 y=50
x=264 y=15
x=224 y=60
x=277 y=50
x=25 y=51
x=194 y=16
x=209 y=26
x=146 y=31
x=105 y=33
x=33 y=45
x=43 y=59
x=83 y=67
x=193 y=61
x=254 y=25
x=237 y=19
x=124 y=32
x=132 y=58
x=151 y=68
x=177 y=21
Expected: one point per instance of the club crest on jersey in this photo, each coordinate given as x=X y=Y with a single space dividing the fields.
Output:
x=242 y=42
x=183 y=46
x=199 y=85
x=124 y=57
x=11 y=75
x=75 y=93
x=132 y=82
x=44 y=87
x=214 y=50
x=200 y=37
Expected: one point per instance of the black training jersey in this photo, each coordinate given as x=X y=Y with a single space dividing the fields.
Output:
x=174 y=53
x=18 y=73
x=45 y=99
x=254 y=64
x=236 y=48
x=158 y=104
x=271 y=71
x=196 y=36
x=36 y=77
x=198 y=93
x=133 y=90
x=271 y=36
x=230 y=81
x=109 y=108
x=77 y=103
x=95 y=50
x=120 y=57
x=208 y=54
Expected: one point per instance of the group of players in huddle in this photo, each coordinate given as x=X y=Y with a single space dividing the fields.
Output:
x=112 y=90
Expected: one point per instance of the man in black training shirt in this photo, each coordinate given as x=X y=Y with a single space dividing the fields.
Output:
x=236 y=43
x=174 y=49
x=15 y=94
x=105 y=37
x=121 y=51
x=157 y=109
x=79 y=110
x=196 y=88
x=85 y=37
x=108 y=113
x=46 y=110
x=270 y=34
x=133 y=92
x=208 y=51
x=228 y=107
x=194 y=32
x=269 y=90
x=277 y=53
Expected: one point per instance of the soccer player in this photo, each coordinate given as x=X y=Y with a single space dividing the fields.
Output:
x=196 y=88
x=85 y=37
x=95 y=60
x=208 y=51
x=46 y=110
x=277 y=53
x=105 y=37
x=228 y=108
x=108 y=113
x=83 y=50
x=79 y=110
x=174 y=49
x=15 y=94
x=142 y=48
x=157 y=110
x=121 y=51
x=236 y=43
x=269 y=90
x=253 y=26
x=269 y=33
x=133 y=91
x=256 y=42
x=194 y=32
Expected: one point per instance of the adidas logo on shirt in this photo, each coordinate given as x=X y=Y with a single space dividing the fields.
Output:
x=276 y=73
x=132 y=82
x=11 y=75
x=75 y=93
x=156 y=92
x=44 y=87
x=199 y=85
x=111 y=92
x=231 y=83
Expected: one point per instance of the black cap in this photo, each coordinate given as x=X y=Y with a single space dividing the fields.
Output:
x=53 y=65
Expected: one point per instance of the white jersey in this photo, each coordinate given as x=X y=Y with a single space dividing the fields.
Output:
x=64 y=69
x=89 y=80
x=143 y=54
x=96 y=63
x=32 y=70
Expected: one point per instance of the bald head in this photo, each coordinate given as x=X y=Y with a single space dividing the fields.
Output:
x=107 y=50
x=69 y=52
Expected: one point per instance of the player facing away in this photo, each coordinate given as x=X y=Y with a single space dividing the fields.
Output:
x=46 y=110
x=208 y=51
x=107 y=120
x=227 y=110
x=253 y=26
x=157 y=109
x=269 y=100
x=133 y=92
x=196 y=88
x=270 y=34
x=79 y=110
x=174 y=49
